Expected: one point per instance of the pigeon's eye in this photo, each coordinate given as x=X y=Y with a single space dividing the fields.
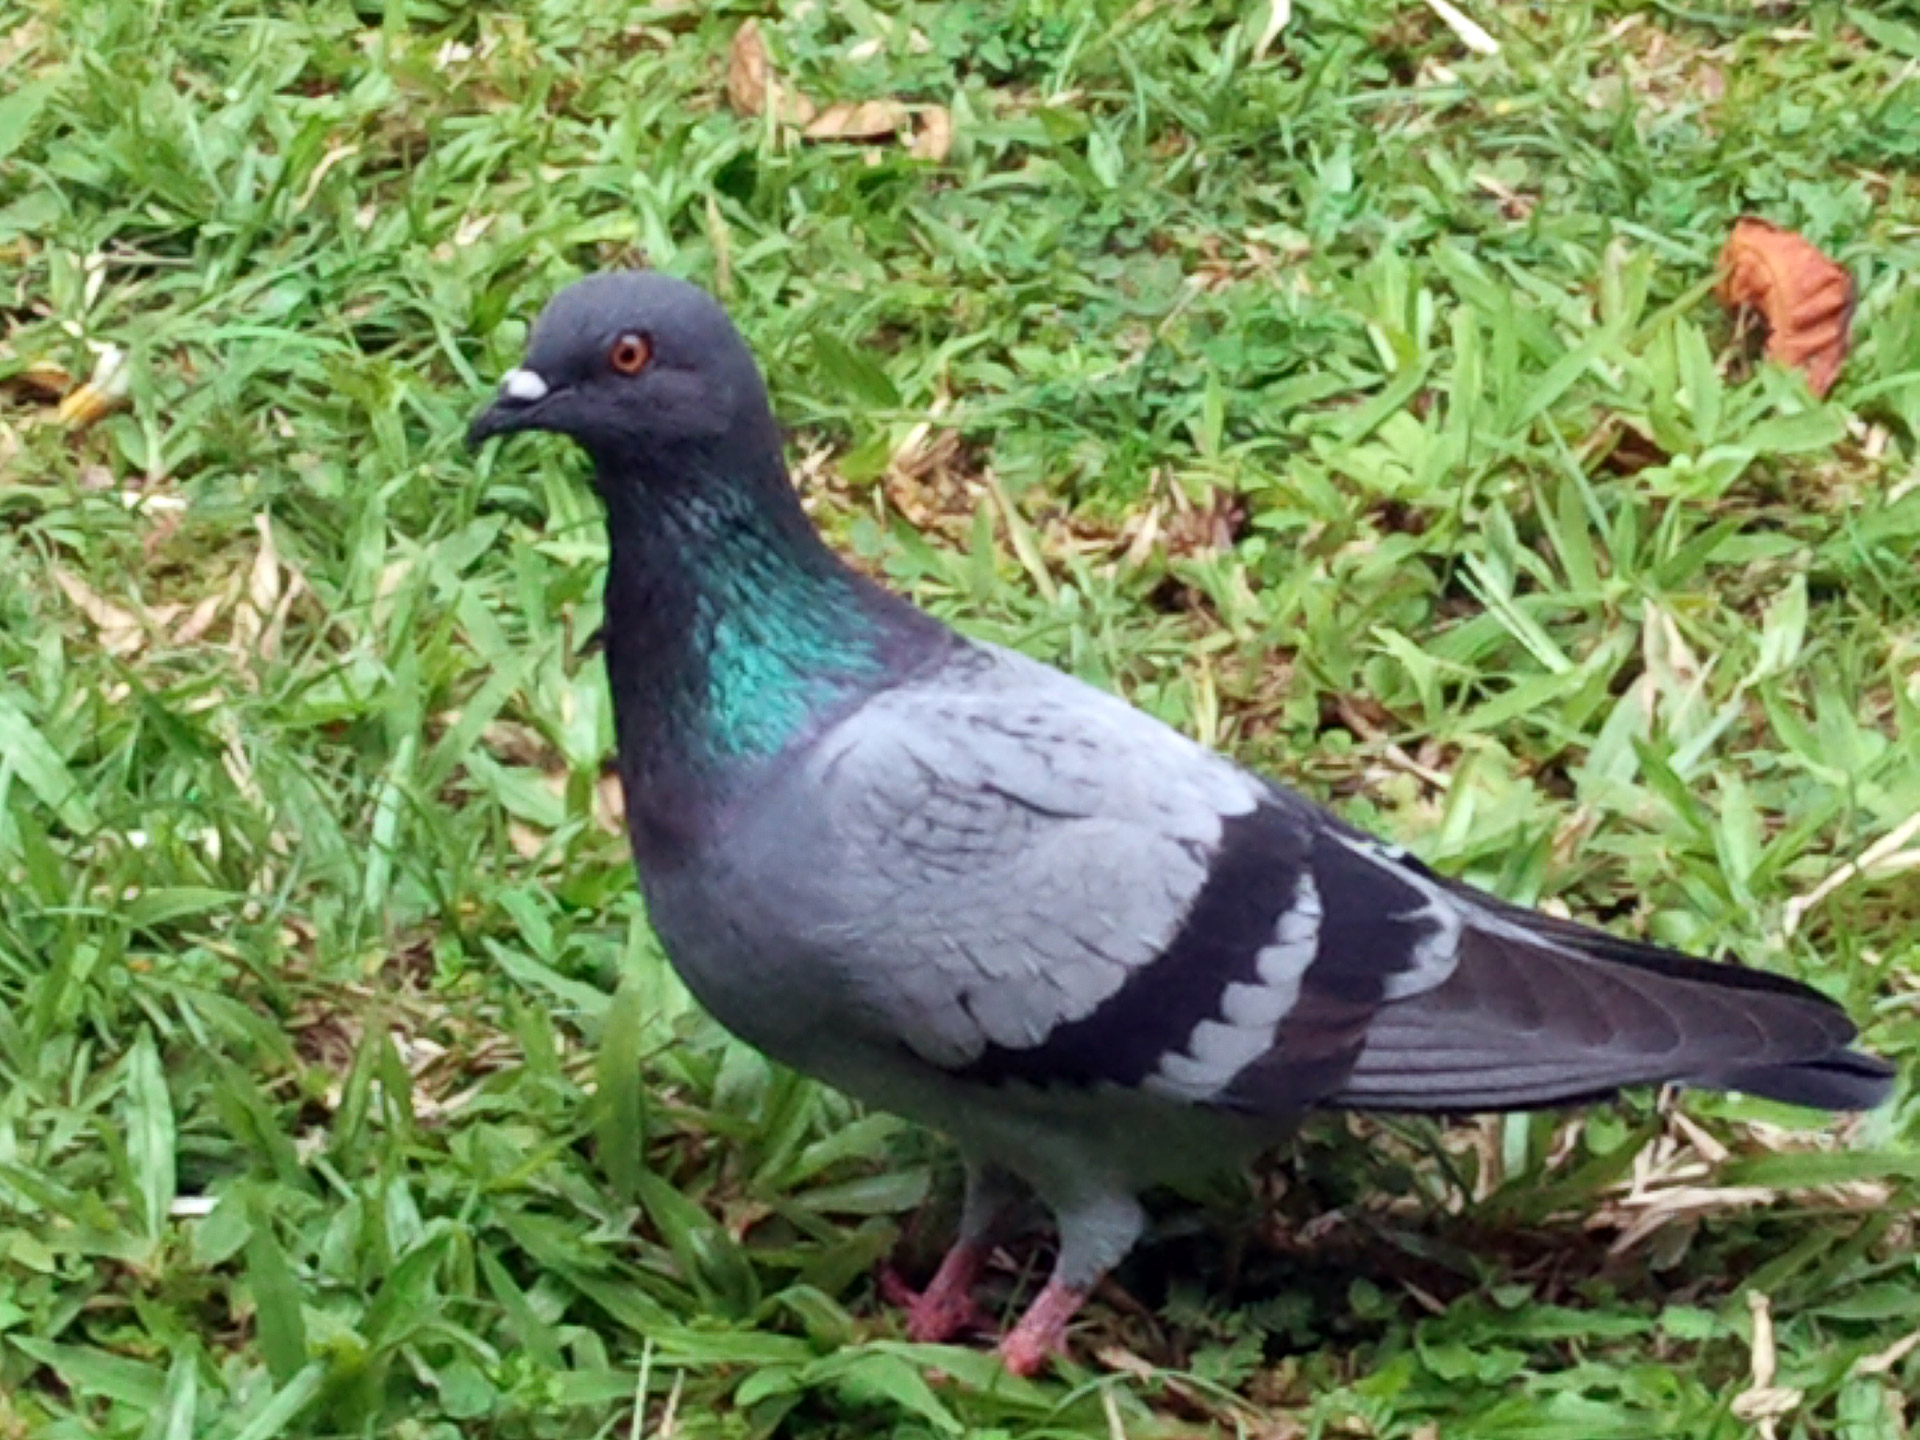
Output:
x=630 y=353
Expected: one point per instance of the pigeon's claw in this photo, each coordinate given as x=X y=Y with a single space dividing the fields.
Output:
x=944 y=1310
x=1041 y=1333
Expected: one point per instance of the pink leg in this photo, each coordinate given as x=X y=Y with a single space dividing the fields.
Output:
x=1097 y=1228
x=1042 y=1332
x=945 y=1308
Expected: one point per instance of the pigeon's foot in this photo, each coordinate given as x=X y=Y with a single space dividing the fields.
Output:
x=1042 y=1331
x=946 y=1307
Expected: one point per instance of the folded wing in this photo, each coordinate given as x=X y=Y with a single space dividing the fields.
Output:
x=1046 y=886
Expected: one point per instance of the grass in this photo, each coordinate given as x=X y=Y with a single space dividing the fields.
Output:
x=1361 y=408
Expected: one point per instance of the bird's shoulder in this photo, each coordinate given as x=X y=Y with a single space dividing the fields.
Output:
x=996 y=723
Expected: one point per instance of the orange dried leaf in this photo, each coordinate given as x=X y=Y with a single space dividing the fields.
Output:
x=1805 y=298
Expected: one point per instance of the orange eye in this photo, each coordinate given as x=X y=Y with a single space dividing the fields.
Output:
x=630 y=354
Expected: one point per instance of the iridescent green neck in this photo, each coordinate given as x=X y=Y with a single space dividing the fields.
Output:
x=782 y=646
x=733 y=633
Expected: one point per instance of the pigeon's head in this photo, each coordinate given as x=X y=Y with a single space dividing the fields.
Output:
x=637 y=367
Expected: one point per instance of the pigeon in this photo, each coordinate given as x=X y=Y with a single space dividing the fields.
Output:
x=967 y=888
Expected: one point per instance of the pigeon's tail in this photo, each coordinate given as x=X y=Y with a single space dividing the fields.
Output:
x=1542 y=1012
x=1844 y=1080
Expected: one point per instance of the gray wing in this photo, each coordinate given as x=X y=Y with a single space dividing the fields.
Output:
x=1041 y=883
x=1038 y=882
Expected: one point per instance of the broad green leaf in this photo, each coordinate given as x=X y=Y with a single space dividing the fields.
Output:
x=1783 y=630
x=176 y=1421
x=621 y=1122
x=533 y=1332
x=276 y=1417
x=25 y=753
x=280 y=1324
x=1809 y=431
x=177 y=902
x=96 y=1373
x=150 y=1134
x=20 y=110
x=878 y=1376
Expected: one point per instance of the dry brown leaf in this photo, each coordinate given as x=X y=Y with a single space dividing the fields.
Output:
x=233 y=759
x=1885 y=1360
x=934 y=139
x=753 y=86
x=1805 y=298
x=199 y=620
x=271 y=587
x=1886 y=856
x=19 y=41
x=1279 y=15
x=277 y=622
x=1465 y=28
x=864 y=120
x=610 y=804
x=261 y=591
x=748 y=70
x=120 y=630
x=1763 y=1403
x=45 y=379
x=103 y=391
x=722 y=248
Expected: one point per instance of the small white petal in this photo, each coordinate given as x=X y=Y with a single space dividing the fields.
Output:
x=523 y=385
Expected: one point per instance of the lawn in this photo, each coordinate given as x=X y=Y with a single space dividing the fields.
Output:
x=1351 y=398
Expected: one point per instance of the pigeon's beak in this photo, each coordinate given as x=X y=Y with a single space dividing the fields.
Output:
x=523 y=393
